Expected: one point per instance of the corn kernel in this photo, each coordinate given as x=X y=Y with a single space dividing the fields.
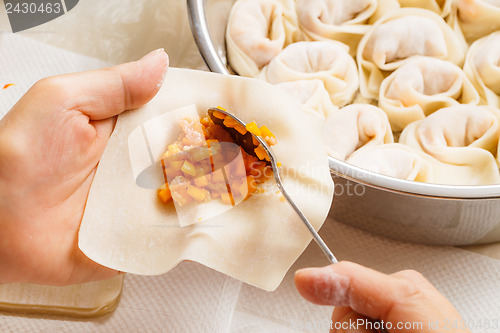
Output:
x=188 y=168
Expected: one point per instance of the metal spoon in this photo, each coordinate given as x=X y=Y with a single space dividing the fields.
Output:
x=277 y=177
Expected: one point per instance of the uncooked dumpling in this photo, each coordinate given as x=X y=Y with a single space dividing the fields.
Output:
x=478 y=18
x=482 y=66
x=328 y=61
x=464 y=136
x=401 y=35
x=345 y=21
x=312 y=95
x=355 y=126
x=394 y=160
x=422 y=86
x=441 y=7
x=257 y=30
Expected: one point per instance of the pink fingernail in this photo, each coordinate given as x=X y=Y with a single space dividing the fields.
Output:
x=152 y=54
x=329 y=287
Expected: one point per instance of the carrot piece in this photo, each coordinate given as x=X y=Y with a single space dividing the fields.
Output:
x=230 y=122
x=164 y=193
x=219 y=115
x=242 y=130
x=266 y=132
x=261 y=153
x=253 y=128
x=251 y=184
x=206 y=121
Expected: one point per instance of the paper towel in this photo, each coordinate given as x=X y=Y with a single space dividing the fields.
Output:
x=193 y=298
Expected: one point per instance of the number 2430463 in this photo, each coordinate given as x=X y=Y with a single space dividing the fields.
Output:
x=33 y=8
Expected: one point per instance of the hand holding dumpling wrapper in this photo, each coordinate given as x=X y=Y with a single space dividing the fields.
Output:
x=256 y=241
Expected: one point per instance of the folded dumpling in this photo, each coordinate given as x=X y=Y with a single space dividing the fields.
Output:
x=345 y=21
x=328 y=61
x=422 y=86
x=465 y=136
x=312 y=95
x=405 y=33
x=478 y=18
x=441 y=7
x=395 y=160
x=355 y=126
x=257 y=30
x=482 y=66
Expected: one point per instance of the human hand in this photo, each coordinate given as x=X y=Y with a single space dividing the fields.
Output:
x=50 y=144
x=359 y=293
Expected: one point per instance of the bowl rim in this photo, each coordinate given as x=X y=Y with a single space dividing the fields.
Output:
x=201 y=33
x=357 y=174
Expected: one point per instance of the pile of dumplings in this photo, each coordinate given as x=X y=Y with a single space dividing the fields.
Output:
x=406 y=88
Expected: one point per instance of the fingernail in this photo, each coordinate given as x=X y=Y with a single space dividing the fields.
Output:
x=152 y=54
x=328 y=286
x=305 y=270
x=159 y=52
x=165 y=69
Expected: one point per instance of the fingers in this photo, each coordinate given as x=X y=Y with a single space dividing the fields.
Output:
x=372 y=293
x=105 y=93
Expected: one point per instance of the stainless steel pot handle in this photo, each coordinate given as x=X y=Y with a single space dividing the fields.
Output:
x=201 y=34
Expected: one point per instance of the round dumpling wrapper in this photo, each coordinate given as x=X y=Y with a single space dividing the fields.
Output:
x=420 y=87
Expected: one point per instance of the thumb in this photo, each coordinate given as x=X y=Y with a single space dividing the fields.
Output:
x=105 y=93
x=402 y=297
